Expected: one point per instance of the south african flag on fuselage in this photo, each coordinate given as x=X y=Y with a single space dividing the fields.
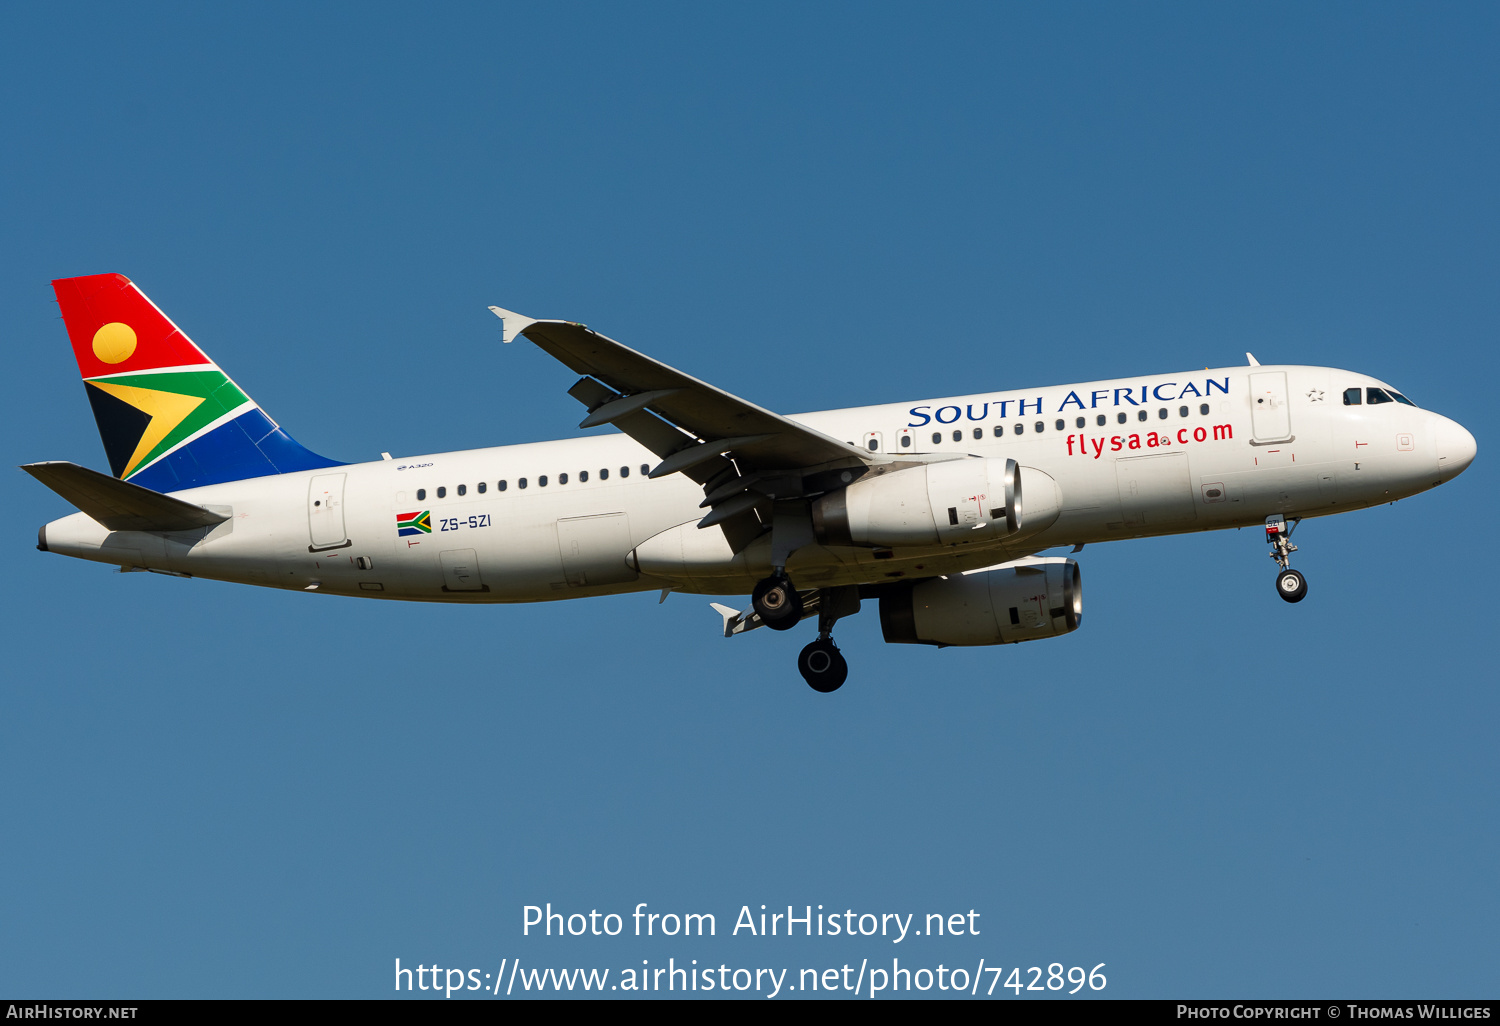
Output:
x=413 y=523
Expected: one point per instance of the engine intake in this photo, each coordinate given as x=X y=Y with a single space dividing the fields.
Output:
x=1020 y=601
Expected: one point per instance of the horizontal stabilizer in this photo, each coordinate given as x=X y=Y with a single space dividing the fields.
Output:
x=119 y=505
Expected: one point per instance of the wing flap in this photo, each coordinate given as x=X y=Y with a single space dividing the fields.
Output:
x=119 y=505
x=650 y=430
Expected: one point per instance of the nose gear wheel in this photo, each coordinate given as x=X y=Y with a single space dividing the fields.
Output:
x=1291 y=585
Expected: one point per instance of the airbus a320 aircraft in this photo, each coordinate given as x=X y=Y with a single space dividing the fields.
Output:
x=934 y=509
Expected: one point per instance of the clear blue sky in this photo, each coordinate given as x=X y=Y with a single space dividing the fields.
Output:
x=211 y=790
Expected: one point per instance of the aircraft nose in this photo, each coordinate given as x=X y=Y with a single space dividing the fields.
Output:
x=1455 y=448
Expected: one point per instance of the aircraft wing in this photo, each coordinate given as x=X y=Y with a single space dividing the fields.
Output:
x=758 y=439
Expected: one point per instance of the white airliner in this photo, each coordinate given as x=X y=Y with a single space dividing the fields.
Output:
x=935 y=509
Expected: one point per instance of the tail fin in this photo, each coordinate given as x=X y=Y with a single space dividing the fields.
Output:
x=169 y=418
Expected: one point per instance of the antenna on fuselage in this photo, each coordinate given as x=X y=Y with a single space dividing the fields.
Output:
x=1253 y=361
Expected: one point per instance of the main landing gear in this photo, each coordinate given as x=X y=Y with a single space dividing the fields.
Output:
x=822 y=665
x=1290 y=584
x=777 y=602
x=779 y=605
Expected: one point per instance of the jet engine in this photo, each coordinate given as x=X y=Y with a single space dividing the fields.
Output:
x=937 y=503
x=1020 y=601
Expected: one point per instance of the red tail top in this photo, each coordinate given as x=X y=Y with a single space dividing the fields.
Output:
x=114 y=328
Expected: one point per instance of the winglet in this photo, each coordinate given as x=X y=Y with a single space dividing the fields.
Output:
x=1249 y=356
x=511 y=323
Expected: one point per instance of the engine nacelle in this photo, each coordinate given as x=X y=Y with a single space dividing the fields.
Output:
x=1020 y=601
x=937 y=504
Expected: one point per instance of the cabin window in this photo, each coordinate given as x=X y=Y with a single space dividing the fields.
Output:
x=645 y=468
x=978 y=434
x=562 y=479
x=1399 y=397
x=958 y=436
x=999 y=430
x=421 y=494
x=1040 y=427
x=604 y=473
x=1203 y=410
x=1080 y=422
x=1101 y=420
x=624 y=471
x=1376 y=395
x=463 y=489
x=1140 y=414
x=501 y=486
x=1161 y=414
x=1182 y=411
x=872 y=445
x=906 y=441
x=583 y=476
x=937 y=438
x=541 y=482
x=442 y=492
x=1019 y=429
x=520 y=482
x=1062 y=424
x=1120 y=417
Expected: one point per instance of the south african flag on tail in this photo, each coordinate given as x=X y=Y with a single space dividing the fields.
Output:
x=168 y=416
x=418 y=523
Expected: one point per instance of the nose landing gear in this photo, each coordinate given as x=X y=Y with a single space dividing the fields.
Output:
x=1290 y=584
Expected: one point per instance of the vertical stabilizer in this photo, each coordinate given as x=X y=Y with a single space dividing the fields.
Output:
x=168 y=416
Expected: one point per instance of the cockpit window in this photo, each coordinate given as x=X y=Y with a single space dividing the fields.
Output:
x=1399 y=397
x=1376 y=395
x=1353 y=396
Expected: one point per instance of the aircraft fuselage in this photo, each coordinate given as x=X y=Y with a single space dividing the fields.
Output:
x=1130 y=458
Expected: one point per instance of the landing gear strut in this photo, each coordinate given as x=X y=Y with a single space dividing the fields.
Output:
x=820 y=663
x=1290 y=584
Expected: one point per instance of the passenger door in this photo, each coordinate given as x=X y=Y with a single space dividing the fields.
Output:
x=1270 y=414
